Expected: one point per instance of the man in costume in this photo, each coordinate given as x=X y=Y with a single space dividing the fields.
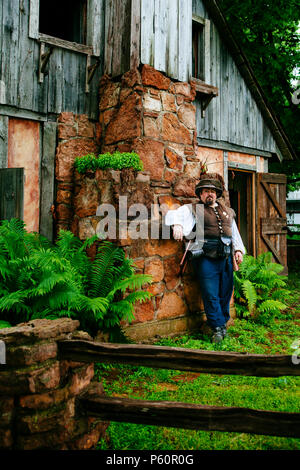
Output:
x=213 y=259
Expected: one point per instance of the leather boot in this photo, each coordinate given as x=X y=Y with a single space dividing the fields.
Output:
x=217 y=336
x=224 y=331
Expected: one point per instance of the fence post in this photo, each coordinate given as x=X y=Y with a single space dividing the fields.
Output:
x=38 y=390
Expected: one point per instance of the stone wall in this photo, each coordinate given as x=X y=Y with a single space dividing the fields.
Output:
x=77 y=136
x=148 y=113
x=142 y=111
x=38 y=391
x=176 y=298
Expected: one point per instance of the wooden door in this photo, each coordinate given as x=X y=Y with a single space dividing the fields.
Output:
x=271 y=217
x=11 y=193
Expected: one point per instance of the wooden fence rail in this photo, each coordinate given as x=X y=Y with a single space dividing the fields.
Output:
x=193 y=360
x=190 y=416
x=184 y=415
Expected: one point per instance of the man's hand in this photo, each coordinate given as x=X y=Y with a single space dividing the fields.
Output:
x=238 y=257
x=178 y=232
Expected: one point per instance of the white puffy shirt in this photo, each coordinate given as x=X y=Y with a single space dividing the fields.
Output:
x=183 y=216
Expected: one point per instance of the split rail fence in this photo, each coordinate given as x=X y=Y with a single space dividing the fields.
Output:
x=184 y=415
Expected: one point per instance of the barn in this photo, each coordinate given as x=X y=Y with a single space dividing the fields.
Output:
x=163 y=78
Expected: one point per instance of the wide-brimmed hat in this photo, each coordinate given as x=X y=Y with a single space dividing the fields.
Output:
x=209 y=183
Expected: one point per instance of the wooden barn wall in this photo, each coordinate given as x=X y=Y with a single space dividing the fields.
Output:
x=166 y=36
x=117 y=36
x=233 y=116
x=63 y=88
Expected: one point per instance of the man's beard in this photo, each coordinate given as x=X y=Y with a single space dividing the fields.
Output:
x=209 y=201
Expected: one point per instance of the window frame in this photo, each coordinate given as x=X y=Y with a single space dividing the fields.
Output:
x=205 y=23
x=94 y=27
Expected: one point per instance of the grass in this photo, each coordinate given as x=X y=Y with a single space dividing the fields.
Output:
x=278 y=394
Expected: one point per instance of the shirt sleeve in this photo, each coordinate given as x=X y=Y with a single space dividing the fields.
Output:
x=182 y=216
x=237 y=241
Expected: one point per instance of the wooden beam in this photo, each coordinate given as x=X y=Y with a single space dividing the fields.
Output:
x=194 y=360
x=253 y=215
x=34 y=19
x=10 y=111
x=241 y=166
x=47 y=179
x=135 y=33
x=40 y=72
x=207 y=46
x=249 y=210
x=205 y=88
x=221 y=145
x=273 y=226
x=274 y=178
x=87 y=68
x=43 y=60
x=190 y=416
x=73 y=46
x=198 y=19
x=95 y=25
x=3 y=141
x=207 y=92
x=273 y=250
x=225 y=169
x=273 y=199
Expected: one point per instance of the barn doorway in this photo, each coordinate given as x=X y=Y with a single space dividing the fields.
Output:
x=241 y=194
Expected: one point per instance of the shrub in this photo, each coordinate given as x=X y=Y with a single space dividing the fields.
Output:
x=115 y=161
x=259 y=290
x=42 y=280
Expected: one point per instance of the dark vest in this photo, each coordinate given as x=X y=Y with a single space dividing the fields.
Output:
x=218 y=221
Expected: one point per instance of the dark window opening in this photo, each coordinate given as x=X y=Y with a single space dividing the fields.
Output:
x=240 y=196
x=64 y=19
x=198 y=51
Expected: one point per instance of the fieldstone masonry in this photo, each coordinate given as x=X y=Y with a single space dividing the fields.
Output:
x=76 y=136
x=38 y=391
x=142 y=111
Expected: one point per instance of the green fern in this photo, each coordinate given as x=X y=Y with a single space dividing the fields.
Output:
x=250 y=294
x=42 y=280
x=271 y=306
x=259 y=290
x=105 y=268
x=135 y=281
x=282 y=294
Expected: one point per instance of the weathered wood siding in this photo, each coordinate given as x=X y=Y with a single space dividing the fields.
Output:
x=154 y=32
x=166 y=44
x=233 y=116
x=117 y=36
x=63 y=88
x=166 y=36
x=122 y=36
x=3 y=141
